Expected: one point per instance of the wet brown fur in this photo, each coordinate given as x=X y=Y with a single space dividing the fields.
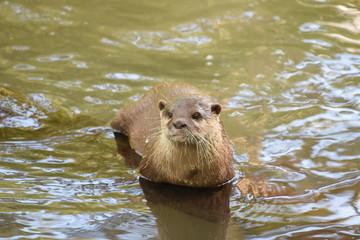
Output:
x=203 y=159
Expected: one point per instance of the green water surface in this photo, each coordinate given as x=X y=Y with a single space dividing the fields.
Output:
x=286 y=72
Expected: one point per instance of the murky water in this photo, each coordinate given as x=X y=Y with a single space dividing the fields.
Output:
x=286 y=72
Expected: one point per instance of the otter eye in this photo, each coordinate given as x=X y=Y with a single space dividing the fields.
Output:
x=196 y=116
x=169 y=115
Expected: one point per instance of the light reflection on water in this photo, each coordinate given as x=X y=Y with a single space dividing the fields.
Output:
x=286 y=73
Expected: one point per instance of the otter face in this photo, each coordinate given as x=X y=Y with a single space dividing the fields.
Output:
x=189 y=119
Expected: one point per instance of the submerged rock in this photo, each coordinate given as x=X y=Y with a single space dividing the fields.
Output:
x=21 y=116
x=17 y=111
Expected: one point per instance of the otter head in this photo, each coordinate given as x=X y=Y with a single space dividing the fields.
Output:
x=189 y=119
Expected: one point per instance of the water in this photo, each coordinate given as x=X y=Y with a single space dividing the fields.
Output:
x=286 y=72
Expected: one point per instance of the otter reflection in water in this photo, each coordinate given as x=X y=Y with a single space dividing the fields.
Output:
x=188 y=213
x=182 y=212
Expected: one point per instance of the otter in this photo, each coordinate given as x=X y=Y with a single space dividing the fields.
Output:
x=177 y=130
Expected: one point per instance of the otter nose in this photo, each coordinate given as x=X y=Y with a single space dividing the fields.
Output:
x=179 y=124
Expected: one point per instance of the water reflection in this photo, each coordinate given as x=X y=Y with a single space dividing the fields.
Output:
x=188 y=213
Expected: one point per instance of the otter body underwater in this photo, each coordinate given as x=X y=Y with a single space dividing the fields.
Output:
x=178 y=131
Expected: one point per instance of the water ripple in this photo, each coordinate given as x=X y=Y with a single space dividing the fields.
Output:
x=24 y=67
x=182 y=37
x=56 y=57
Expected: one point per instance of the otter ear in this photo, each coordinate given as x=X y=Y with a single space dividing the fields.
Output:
x=216 y=108
x=162 y=104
